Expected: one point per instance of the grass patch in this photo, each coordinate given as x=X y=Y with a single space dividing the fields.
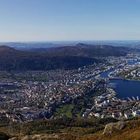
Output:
x=65 y=110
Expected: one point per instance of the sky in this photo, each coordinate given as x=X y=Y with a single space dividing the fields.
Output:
x=69 y=20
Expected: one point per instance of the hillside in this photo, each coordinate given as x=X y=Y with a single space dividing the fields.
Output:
x=84 y=50
x=5 y=49
x=11 y=59
x=72 y=130
x=67 y=57
x=129 y=132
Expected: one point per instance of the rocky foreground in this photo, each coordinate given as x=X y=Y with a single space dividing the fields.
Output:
x=128 y=130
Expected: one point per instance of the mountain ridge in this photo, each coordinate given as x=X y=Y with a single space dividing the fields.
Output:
x=64 y=57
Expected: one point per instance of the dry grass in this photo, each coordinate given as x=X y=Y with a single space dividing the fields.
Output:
x=130 y=132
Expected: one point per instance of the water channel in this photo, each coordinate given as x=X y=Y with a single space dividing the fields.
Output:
x=124 y=88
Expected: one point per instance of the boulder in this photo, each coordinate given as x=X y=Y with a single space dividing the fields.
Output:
x=39 y=137
x=14 y=138
x=113 y=127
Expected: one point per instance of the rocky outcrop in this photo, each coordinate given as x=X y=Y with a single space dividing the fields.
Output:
x=14 y=138
x=113 y=127
x=46 y=137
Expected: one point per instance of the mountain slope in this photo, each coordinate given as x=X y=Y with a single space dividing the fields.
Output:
x=67 y=57
x=11 y=59
x=72 y=130
x=130 y=132
x=84 y=50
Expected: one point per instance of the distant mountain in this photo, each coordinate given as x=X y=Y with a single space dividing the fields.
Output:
x=85 y=50
x=29 y=45
x=6 y=49
x=11 y=59
x=67 y=57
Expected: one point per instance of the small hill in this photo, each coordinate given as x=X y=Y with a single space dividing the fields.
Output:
x=6 y=49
